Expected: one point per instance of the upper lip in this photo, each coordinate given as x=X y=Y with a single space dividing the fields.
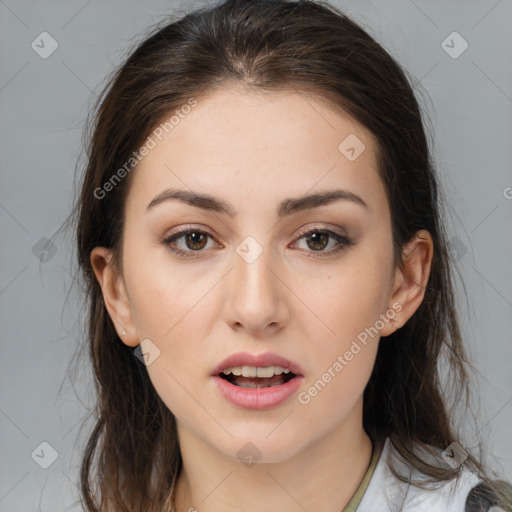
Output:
x=262 y=360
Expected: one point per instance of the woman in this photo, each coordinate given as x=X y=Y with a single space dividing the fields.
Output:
x=269 y=283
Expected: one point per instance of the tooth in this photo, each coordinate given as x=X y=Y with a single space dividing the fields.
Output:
x=249 y=371
x=267 y=372
x=236 y=370
x=253 y=371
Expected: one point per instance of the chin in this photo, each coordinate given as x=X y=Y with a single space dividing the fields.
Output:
x=260 y=447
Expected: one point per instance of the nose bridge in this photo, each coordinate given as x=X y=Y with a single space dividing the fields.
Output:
x=254 y=274
x=254 y=295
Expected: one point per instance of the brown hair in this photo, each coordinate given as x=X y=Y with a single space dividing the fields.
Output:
x=266 y=45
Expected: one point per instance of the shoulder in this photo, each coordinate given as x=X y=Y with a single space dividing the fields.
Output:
x=386 y=493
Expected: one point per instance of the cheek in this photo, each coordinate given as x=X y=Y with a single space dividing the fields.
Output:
x=173 y=310
x=166 y=299
x=350 y=306
x=330 y=397
x=344 y=359
x=170 y=375
x=347 y=299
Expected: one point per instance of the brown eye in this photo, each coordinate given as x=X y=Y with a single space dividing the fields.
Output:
x=195 y=240
x=318 y=239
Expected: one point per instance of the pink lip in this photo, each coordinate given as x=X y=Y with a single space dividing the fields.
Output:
x=261 y=398
x=263 y=360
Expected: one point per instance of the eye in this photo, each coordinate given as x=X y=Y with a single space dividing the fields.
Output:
x=318 y=239
x=195 y=241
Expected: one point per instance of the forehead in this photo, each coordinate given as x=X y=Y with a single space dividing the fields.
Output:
x=272 y=143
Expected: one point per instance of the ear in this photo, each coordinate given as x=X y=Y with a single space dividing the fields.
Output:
x=410 y=281
x=114 y=295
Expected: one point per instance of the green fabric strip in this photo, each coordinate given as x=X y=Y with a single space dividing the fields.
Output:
x=358 y=496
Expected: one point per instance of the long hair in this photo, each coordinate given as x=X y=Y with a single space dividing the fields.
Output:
x=132 y=459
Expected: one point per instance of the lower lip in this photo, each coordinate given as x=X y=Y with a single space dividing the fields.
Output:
x=259 y=398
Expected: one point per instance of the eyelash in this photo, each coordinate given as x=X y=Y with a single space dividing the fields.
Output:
x=343 y=242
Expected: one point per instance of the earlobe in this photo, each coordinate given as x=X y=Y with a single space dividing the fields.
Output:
x=114 y=295
x=411 y=280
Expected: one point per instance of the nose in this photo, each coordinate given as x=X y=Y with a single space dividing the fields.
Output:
x=256 y=296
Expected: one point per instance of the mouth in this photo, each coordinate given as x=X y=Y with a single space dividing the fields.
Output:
x=256 y=377
x=259 y=387
x=257 y=381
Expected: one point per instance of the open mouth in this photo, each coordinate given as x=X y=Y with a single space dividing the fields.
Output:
x=259 y=387
x=257 y=382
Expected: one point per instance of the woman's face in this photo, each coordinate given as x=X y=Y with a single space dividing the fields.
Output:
x=250 y=278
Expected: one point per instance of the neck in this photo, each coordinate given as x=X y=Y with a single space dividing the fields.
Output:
x=324 y=476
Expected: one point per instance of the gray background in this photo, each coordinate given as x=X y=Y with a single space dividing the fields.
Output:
x=43 y=104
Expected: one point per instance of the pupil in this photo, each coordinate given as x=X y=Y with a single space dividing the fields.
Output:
x=193 y=235
x=315 y=235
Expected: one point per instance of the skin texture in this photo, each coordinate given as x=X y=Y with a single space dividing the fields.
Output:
x=254 y=150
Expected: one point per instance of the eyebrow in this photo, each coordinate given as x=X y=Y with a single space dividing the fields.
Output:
x=286 y=207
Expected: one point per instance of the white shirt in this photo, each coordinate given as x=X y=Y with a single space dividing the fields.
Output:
x=386 y=493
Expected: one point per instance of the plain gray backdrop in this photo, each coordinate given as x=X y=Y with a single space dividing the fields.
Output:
x=44 y=99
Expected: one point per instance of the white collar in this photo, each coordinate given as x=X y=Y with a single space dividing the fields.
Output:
x=386 y=493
